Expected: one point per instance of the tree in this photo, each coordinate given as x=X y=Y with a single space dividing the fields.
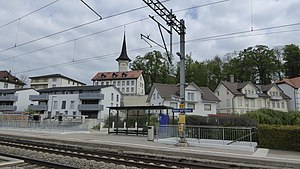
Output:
x=156 y=69
x=278 y=52
x=291 y=56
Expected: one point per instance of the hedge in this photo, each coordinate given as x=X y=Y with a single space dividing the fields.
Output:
x=279 y=137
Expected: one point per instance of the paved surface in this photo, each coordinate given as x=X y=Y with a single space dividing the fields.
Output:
x=140 y=142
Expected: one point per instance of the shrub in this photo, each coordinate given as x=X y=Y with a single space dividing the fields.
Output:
x=279 y=137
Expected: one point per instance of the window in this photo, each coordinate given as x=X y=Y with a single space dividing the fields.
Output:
x=114 y=83
x=5 y=85
x=54 y=85
x=72 y=105
x=273 y=104
x=132 y=89
x=117 y=97
x=227 y=92
x=154 y=96
x=69 y=81
x=268 y=104
x=74 y=113
x=112 y=97
x=282 y=105
x=278 y=104
x=191 y=105
x=102 y=83
x=259 y=103
x=191 y=96
x=127 y=82
x=240 y=102
x=57 y=113
x=127 y=89
x=157 y=96
x=107 y=83
x=123 y=89
x=228 y=102
x=132 y=82
x=174 y=104
x=207 y=107
x=55 y=105
x=252 y=103
x=63 y=105
x=123 y=83
x=54 y=79
x=246 y=103
x=119 y=83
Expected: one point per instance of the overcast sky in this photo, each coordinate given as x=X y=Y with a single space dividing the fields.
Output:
x=28 y=47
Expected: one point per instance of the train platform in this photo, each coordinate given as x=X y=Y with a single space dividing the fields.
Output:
x=261 y=156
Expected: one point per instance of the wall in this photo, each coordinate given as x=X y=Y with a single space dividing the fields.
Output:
x=23 y=99
x=223 y=95
x=290 y=91
x=108 y=102
x=63 y=97
x=10 y=85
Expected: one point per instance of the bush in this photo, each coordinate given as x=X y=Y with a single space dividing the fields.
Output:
x=273 y=117
x=279 y=137
x=222 y=120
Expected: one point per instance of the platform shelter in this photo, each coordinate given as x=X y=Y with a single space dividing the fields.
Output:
x=135 y=119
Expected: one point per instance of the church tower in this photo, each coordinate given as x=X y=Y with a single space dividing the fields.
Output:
x=123 y=59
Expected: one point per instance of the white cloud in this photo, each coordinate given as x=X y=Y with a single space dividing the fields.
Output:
x=218 y=19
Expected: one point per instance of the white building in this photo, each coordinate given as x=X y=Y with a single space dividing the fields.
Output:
x=15 y=100
x=53 y=80
x=245 y=97
x=200 y=99
x=91 y=101
x=128 y=82
x=291 y=87
x=8 y=81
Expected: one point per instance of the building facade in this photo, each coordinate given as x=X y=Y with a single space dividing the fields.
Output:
x=8 y=81
x=89 y=101
x=245 y=97
x=15 y=100
x=291 y=87
x=127 y=81
x=53 y=80
x=201 y=99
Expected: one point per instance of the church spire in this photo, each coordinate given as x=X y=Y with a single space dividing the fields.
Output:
x=123 y=56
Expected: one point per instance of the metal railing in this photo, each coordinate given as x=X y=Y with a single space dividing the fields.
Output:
x=45 y=125
x=209 y=134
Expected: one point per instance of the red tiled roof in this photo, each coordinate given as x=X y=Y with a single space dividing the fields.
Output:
x=5 y=76
x=117 y=75
x=294 y=82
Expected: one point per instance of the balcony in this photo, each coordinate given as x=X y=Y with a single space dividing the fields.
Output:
x=251 y=95
x=276 y=98
x=8 y=108
x=90 y=107
x=9 y=98
x=38 y=107
x=91 y=96
x=38 y=97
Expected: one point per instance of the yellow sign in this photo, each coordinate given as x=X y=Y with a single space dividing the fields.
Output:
x=181 y=119
x=181 y=106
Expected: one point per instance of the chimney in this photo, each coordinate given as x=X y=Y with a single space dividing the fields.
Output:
x=232 y=78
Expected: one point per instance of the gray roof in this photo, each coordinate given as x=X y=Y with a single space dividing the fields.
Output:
x=233 y=87
x=208 y=95
x=6 y=91
x=73 y=88
x=166 y=91
x=56 y=76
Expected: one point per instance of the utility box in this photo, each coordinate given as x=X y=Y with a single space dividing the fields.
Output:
x=150 y=133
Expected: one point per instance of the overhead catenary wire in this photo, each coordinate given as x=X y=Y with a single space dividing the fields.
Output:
x=28 y=14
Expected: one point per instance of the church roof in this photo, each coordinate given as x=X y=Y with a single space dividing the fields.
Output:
x=117 y=75
x=123 y=55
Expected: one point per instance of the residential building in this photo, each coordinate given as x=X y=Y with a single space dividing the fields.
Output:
x=128 y=82
x=53 y=80
x=15 y=100
x=89 y=101
x=137 y=100
x=201 y=99
x=8 y=81
x=291 y=87
x=245 y=97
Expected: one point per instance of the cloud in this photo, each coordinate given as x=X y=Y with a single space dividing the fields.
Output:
x=98 y=52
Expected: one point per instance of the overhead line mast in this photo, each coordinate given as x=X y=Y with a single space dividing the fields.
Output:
x=179 y=27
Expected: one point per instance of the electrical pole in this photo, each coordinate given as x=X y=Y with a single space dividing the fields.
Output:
x=179 y=27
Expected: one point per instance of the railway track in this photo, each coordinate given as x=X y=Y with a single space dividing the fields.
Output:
x=130 y=160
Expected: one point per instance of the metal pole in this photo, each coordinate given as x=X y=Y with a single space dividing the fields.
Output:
x=182 y=82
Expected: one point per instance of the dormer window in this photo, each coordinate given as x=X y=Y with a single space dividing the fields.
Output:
x=114 y=75
x=103 y=76
x=124 y=75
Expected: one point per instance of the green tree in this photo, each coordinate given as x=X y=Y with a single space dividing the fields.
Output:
x=291 y=56
x=156 y=69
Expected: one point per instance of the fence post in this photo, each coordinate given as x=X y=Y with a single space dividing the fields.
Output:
x=223 y=136
x=250 y=137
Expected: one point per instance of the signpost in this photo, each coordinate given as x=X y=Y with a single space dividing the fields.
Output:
x=182 y=110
